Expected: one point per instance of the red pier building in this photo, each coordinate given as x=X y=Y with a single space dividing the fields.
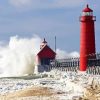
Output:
x=44 y=56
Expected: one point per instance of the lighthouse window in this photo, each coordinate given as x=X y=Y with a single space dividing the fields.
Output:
x=87 y=13
x=83 y=14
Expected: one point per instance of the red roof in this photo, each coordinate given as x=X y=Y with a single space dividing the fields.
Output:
x=87 y=9
x=46 y=52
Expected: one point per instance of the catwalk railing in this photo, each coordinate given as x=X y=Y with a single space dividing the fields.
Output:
x=72 y=64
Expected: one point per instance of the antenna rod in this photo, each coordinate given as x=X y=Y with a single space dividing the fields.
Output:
x=55 y=44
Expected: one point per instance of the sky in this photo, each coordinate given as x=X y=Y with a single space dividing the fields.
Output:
x=47 y=19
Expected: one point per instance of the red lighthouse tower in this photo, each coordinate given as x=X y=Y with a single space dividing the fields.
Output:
x=87 y=37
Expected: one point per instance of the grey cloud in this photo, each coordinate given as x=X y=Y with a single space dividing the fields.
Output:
x=41 y=4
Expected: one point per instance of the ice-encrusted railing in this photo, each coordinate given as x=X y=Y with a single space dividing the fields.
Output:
x=72 y=64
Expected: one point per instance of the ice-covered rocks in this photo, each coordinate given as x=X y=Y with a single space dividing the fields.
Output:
x=65 y=86
x=92 y=92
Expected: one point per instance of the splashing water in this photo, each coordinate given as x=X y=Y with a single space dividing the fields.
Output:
x=63 y=54
x=18 y=57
